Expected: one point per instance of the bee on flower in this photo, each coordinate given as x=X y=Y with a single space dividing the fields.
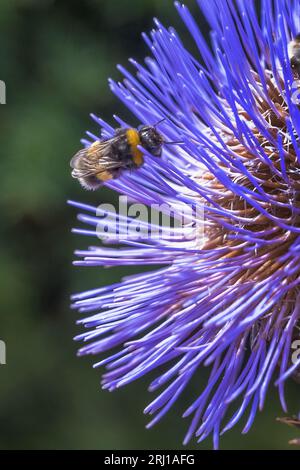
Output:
x=231 y=305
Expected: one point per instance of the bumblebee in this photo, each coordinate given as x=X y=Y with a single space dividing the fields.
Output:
x=294 y=55
x=107 y=159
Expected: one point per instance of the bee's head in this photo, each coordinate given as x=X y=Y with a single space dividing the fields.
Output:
x=151 y=140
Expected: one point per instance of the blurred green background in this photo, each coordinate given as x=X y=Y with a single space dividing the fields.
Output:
x=55 y=58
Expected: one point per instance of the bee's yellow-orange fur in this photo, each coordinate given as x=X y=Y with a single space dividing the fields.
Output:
x=104 y=176
x=134 y=140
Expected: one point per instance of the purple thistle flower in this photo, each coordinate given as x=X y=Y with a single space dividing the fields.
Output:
x=231 y=304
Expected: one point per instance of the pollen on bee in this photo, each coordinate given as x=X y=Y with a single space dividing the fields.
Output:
x=104 y=176
x=134 y=140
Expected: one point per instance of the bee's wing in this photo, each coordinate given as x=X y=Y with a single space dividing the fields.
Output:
x=95 y=159
x=75 y=161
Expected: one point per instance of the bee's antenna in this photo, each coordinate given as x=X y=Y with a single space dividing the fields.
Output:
x=167 y=143
x=159 y=122
x=168 y=116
